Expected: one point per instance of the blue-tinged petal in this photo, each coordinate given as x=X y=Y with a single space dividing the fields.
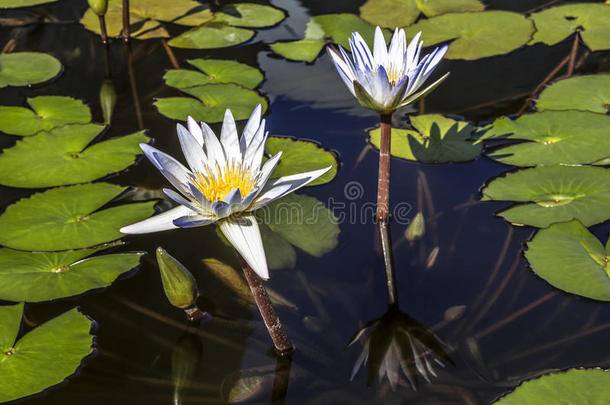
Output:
x=229 y=138
x=192 y=150
x=157 y=223
x=180 y=200
x=364 y=48
x=200 y=198
x=233 y=197
x=412 y=51
x=345 y=72
x=174 y=171
x=221 y=209
x=245 y=236
x=267 y=169
x=347 y=60
x=398 y=92
x=382 y=85
x=410 y=99
x=247 y=200
x=365 y=99
x=250 y=129
x=195 y=129
x=191 y=221
x=436 y=59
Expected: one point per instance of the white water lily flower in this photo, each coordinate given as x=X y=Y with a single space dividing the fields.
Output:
x=225 y=184
x=389 y=78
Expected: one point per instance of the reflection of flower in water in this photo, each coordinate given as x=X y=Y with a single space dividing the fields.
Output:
x=397 y=342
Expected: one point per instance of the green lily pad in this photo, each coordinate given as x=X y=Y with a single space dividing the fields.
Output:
x=475 y=35
x=249 y=15
x=557 y=23
x=279 y=252
x=23 y=3
x=65 y=155
x=145 y=17
x=69 y=218
x=210 y=36
x=583 y=93
x=26 y=68
x=434 y=139
x=43 y=276
x=400 y=13
x=299 y=156
x=566 y=137
x=306 y=49
x=214 y=99
x=47 y=113
x=45 y=356
x=214 y=71
x=339 y=28
x=572 y=387
x=571 y=258
x=553 y=194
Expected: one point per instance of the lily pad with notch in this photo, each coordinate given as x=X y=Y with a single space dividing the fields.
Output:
x=571 y=258
x=249 y=15
x=67 y=155
x=552 y=137
x=23 y=3
x=551 y=194
x=43 y=276
x=211 y=36
x=582 y=93
x=476 y=35
x=433 y=139
x=214 y=71
x=27 y=68
x=589 y=19
x=306 y=49
x=47 y=113
x=69 y=218
x=43 y=357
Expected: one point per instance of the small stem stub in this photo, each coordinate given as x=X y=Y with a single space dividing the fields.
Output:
x=195 y=314
x=126 y=20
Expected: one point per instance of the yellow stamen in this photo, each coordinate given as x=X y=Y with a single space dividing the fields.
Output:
x=216 y=185
x=393 y=77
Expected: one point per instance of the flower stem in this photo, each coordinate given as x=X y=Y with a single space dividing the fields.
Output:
x=383 y=182
x=103 y=33
x=126 y=20
x=272 y=322
x=388 y=262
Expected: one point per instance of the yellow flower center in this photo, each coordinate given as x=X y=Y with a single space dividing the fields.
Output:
x=393 y=77
x=216 y=186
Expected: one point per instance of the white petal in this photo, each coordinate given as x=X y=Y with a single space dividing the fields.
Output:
x=344 y=68
x=229 y=138
x=254 y=122
x=195 y=129
x=244 y=235
x=169 y=167
x=157 y=223
x=192 y=150
x=253 y=146
x=362 y=54
x=411 y=52
x=215 y=152
x=191 y=221
x=267 y=169
x=179 y=199
x=380 y=50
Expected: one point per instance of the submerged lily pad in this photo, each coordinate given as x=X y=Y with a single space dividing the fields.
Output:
x=23 y=3
x=572 y=387
x=566 y=137
x=69 y=218
x=66 y=155
x=26 y=68
x=583 y=93
x=210 y=36
x=45 y=356
x=43 y=276
x=299 y=156
x=557 y=23
x=476 y=35
x=572 y=259
x=249 y=15
x=214 y=71
x=213 y=100
x=553 y=194
x=434 y=139
x=400 y=13
x=47 y=113
x=145 y=17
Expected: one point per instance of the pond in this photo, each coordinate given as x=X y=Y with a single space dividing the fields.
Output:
x=499 y=206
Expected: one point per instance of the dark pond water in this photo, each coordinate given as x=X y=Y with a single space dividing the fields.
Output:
x=514 y=325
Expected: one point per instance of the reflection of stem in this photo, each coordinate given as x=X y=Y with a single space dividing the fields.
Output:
x=134 y=89
x=126 y=20
x=103 y=29
x=272 y=322
x=422 y=105
x=170 y=54
x=573 y=54
x=388 y=262
x=107 y=60
x=281 y=379
x=383 y=182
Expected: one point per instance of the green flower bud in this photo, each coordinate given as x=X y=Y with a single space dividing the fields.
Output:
x=107 y=99
x=179 y=284
x=416 y=228
x=99 y=7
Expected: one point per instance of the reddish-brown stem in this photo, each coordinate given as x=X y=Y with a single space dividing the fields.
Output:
x=543 y=82
x=126 y=20
x=573 y=54
x=103 y=29
x=272 y=322
x=170 y=54
x=383 y=182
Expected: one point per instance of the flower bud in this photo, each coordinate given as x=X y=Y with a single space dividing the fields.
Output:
x=416 y=228
x=107 y=99
x=99 y=7
x=179 y=284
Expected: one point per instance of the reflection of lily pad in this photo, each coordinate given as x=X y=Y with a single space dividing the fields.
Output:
x=65 y=155
x=48 y=112
x=566 y=137
x=299 y=156
x=22 y=3
x=211 y=36
x=145 y=15
x=214 y=71
x=583 y=93
x=214 y=99
x=249 y=15
x=572 y=387
x=68 y=218
x=434 y=139
x=557 y=23
x=571 y=258
x=42 y=276
x=26 y=68
x=553 y=194
x=400 y=13
x=43 y=357
x=476 y=35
